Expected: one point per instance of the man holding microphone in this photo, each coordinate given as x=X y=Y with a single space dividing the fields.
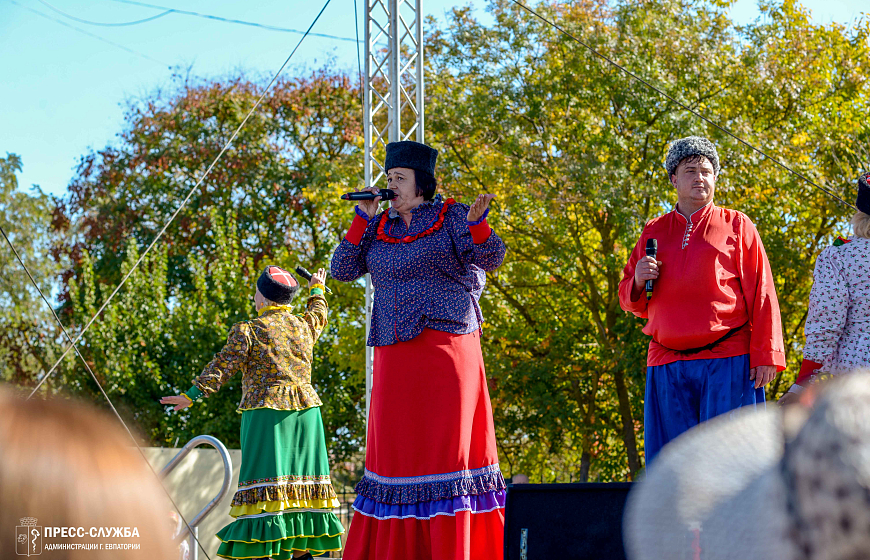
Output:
x=713 y=312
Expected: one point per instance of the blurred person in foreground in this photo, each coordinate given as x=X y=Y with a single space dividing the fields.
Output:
x=713 y=315
x=65 y=465
x=786 y=483
x=838 y=317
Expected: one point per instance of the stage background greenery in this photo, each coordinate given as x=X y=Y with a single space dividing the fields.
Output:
x=572 y=147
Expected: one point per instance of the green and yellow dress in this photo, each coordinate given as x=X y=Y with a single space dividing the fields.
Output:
x=285 y=500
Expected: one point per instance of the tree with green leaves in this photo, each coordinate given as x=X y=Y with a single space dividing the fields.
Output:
x=574 y=148
x=270 y=200
x=27 y=330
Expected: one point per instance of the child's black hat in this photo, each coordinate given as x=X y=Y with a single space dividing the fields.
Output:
x=278 y=285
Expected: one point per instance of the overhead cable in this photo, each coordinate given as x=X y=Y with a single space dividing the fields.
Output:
x=236 y=21
x=88 y=33
x=358 y=58
x=183 y=203
x=80 y=20
x=94 y=377
x=683 y=105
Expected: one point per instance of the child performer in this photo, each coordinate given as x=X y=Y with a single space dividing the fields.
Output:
x=283 y=508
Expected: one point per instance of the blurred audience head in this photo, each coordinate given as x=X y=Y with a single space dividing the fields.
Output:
x=65 y=465
x=789 y=483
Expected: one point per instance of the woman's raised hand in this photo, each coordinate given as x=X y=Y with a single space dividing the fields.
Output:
x=180 y=401
x=318 y=277
x=479 y=207
x=370 y=207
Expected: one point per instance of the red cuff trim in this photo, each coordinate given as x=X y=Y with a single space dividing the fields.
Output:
x=808 y=367
x=480 y=233
x=357 y=230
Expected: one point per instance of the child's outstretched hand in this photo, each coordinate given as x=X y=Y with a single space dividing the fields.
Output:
x=180 y=401
x=318 y=277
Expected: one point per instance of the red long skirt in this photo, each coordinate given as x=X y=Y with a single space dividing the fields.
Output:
x=432 y=488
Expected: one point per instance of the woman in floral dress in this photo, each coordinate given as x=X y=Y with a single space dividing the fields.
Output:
x=838 y=319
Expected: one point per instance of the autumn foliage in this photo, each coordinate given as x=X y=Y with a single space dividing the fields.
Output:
x=573 y=148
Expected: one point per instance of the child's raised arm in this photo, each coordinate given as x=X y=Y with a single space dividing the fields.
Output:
x=223 y=366
x=316 y=316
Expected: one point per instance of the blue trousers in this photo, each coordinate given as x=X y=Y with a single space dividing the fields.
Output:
x=681 y=395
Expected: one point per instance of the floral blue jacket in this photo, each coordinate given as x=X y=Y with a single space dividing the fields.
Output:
x=428 y=275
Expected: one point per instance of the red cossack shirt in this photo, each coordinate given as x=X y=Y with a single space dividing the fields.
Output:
x=714 y=277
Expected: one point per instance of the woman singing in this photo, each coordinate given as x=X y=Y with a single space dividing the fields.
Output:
x=432 y=488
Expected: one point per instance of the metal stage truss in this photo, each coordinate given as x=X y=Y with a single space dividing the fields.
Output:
x=393 y=102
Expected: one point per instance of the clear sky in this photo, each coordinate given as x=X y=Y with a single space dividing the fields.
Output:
x=63 y=91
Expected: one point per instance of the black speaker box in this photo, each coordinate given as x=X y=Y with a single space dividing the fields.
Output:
x=581 y=521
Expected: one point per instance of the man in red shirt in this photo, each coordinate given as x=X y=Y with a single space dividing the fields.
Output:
x=713 y=315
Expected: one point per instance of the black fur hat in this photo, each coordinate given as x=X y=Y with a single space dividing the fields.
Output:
x=863 y=202
x=412 y=155
x=278 y=285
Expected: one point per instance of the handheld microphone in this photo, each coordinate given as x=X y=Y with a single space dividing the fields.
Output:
x=385 y=194
x=651 y=248
x=307 y=275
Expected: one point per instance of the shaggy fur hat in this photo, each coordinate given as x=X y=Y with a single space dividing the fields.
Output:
x=691 y=146
x=412 y=155
x=278 y=285
x=863 y=202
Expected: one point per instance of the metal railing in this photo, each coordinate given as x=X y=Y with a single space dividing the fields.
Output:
x=225 y=487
